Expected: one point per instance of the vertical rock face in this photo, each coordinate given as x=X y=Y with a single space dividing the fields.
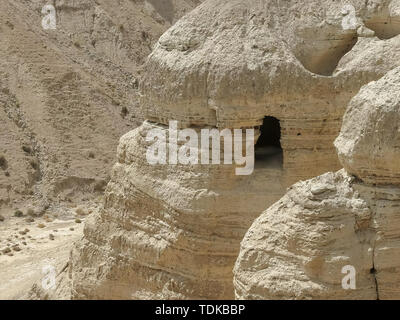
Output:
x=299 y=246
x=173 y=231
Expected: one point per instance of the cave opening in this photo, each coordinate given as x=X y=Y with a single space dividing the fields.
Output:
x=268 y=149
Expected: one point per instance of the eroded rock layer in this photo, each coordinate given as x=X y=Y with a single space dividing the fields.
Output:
x=231 y=63
x=298 y=248
x=173 y=231
x=167 y=231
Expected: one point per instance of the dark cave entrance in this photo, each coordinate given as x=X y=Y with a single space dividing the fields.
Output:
x=268 y=150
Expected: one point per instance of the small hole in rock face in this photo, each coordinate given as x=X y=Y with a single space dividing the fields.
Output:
x=299 y=134
x=372 y=271
x=268 y=150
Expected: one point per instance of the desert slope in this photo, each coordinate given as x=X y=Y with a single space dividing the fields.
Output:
x=67 y=95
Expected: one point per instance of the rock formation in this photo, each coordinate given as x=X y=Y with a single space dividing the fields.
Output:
x=66 y=97
x=173 y=231
x=298 y=247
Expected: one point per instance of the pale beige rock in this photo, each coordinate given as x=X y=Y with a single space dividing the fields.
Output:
x=260 y=59
x=298 y=247
x=174 y=231
x=166 y=232
x=369 y=142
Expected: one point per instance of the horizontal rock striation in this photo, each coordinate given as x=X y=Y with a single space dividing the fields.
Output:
x=167 y=231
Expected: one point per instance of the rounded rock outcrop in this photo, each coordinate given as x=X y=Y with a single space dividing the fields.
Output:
x=369 y=142
x=299 y=246
x=231 y=62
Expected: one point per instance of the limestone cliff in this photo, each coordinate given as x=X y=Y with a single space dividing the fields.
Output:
x=298 y=247
x=173 y=231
